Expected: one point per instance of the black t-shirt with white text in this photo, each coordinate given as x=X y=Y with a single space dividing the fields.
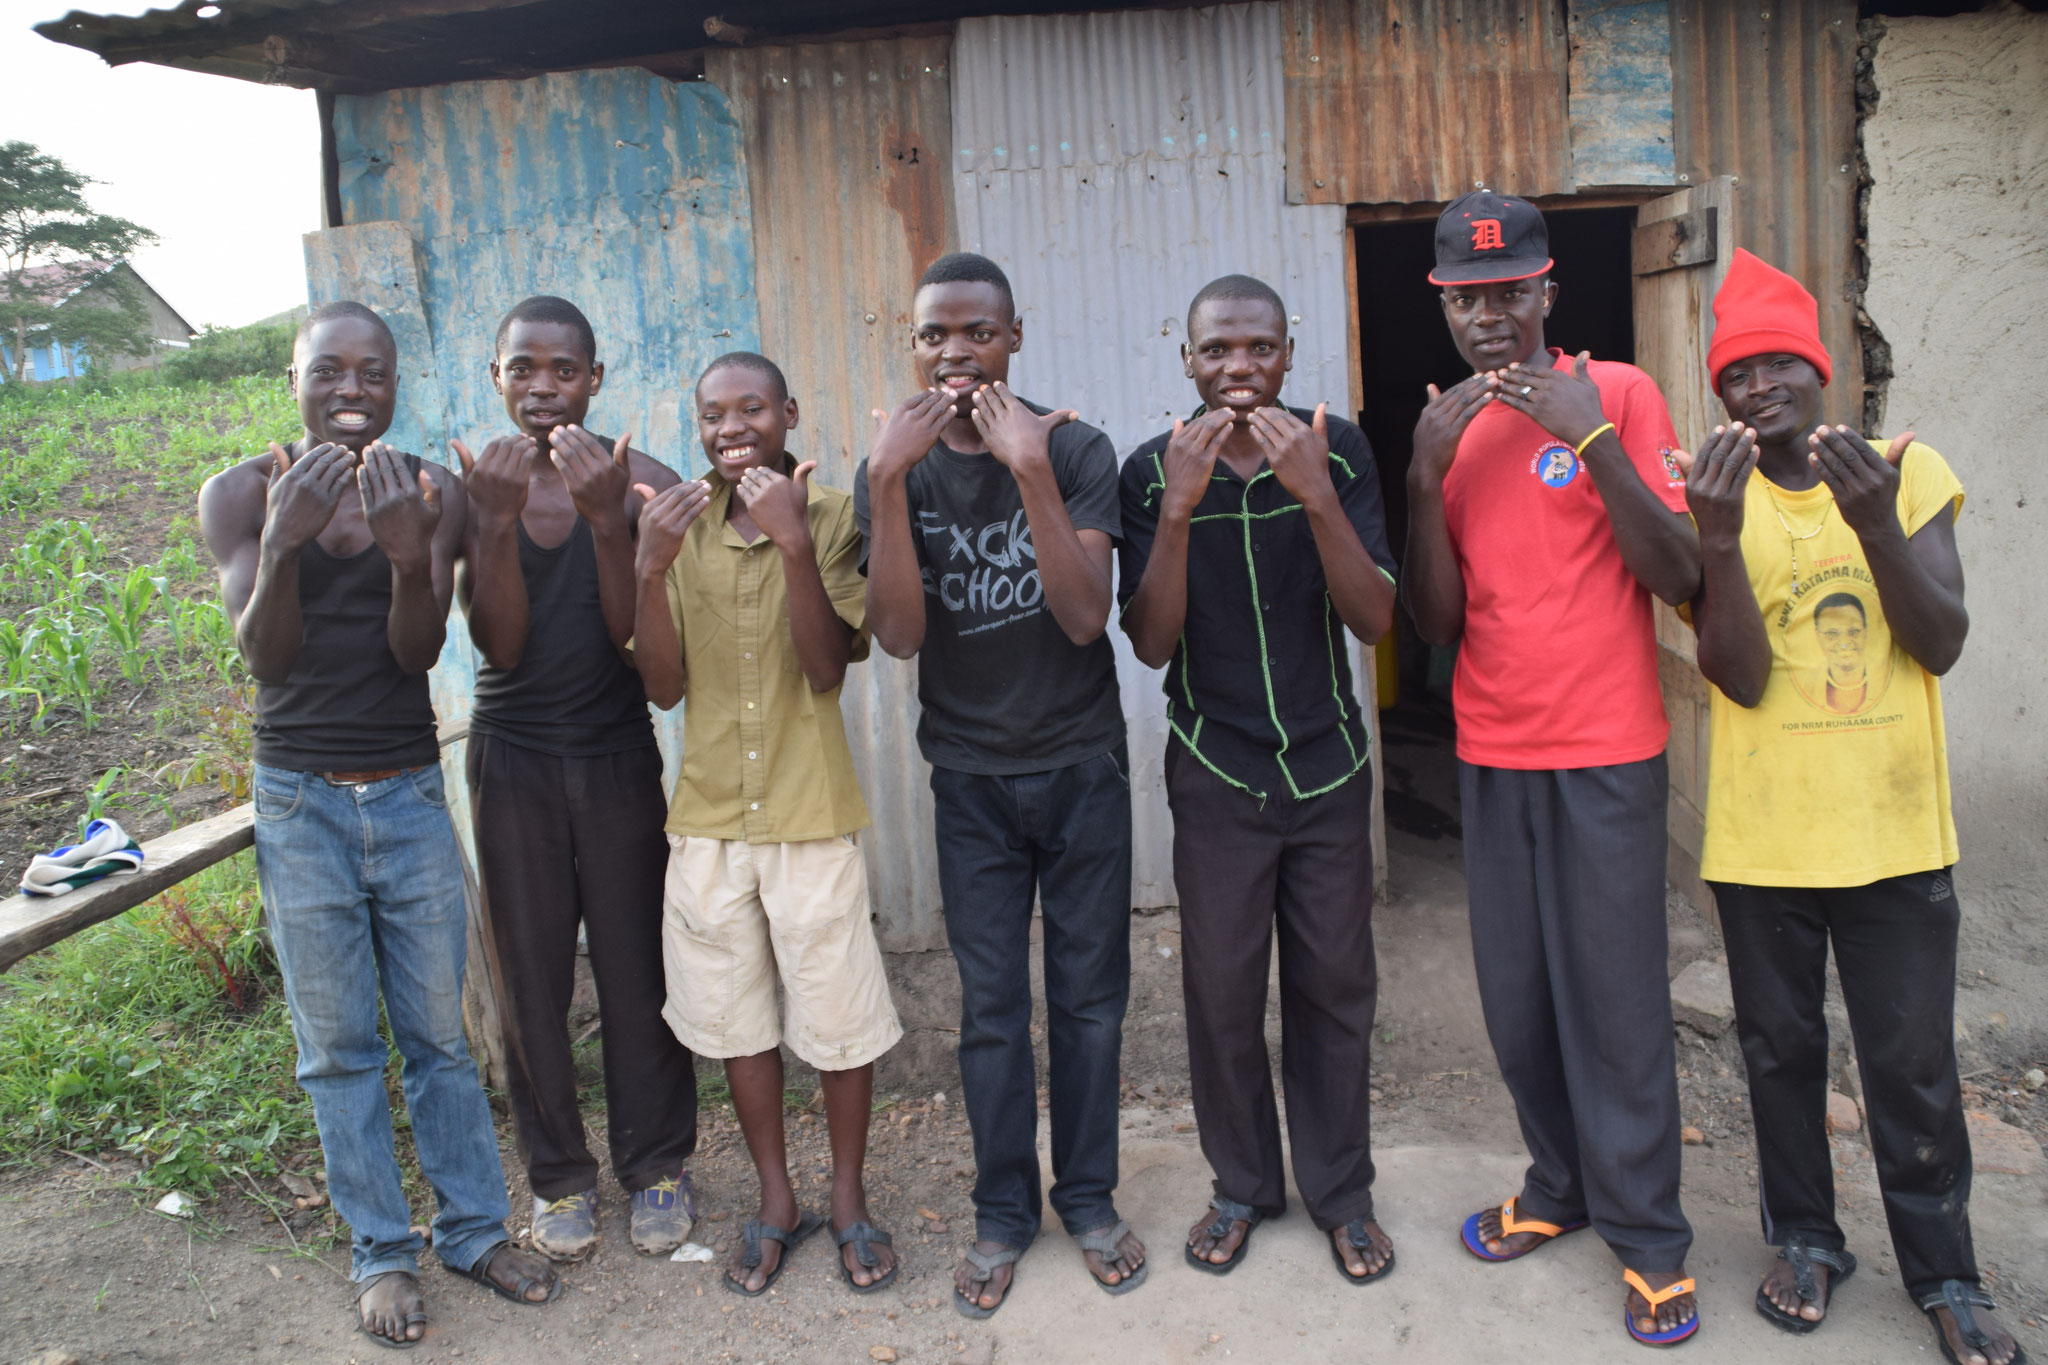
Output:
x=1004 y=691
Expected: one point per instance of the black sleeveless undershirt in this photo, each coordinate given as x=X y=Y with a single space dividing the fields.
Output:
x=347 y=706
x=571 y=694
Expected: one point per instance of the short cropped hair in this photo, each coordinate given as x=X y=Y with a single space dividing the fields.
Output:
x=1236 y=288
x=967 y=267
x=548 y=308
x=1840 y=599
x=345 y=308
x=748 y=360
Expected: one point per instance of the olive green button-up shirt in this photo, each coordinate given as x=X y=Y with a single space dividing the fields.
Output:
x=764 y=756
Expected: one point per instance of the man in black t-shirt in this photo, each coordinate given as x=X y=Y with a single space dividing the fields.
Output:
x=989 y=526
x=1253 y=540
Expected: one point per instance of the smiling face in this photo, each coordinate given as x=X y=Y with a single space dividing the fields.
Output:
x=547 y=377
x=743 y=419
x=963 y=334
x=1841 y=630
x=1238 y=353
x=1496 y=325
x=1778 y=394
x=344 y=375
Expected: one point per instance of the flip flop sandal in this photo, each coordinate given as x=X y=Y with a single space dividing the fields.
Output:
x=1509 y=1226
x=1354 y=1232
x=1685 y=1331
x=757 y=1232
x=1228 y=1211
x=1105 y=1242
x=985 y=1264
x=1803 y=1258
x=418 y=1316
x=479 y=1272
x=1961 y=1297
x=864 y=1238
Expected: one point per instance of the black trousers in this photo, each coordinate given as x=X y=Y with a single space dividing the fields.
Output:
x=1242 y=869
x=1565 y=871
x=1895 y=947
x=562 y=840
x=1065 y=834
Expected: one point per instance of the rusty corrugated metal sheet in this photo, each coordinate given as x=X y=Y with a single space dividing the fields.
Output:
x=1413 y=101
x=1765 y=91
x=1113 y=164
x=847 y=144
x=1621 y=93
x=620 y=191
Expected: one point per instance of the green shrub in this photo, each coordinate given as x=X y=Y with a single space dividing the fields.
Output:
x=223 y=353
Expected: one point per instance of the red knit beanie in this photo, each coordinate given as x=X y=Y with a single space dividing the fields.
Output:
x=1761 y=310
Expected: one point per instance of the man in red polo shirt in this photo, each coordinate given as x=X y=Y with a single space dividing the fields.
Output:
x=1546 y=507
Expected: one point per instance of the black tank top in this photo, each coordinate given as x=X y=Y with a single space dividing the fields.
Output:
x=571 y=694
x=347 y=706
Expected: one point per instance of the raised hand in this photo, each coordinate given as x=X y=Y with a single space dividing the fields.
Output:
x=1015 y=434
x=497 y=481
x=665 y=519
x=1190 y=460
x=598 y=479
x=1444 y=419
x=1717 y=480
x=303 y=493
x=403 y=511
x=1865 y=483
x=906 y=436
x=1298 y=451
x=1567 y=405
x=778 y=502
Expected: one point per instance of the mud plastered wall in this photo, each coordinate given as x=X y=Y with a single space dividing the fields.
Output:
x=1958 y=153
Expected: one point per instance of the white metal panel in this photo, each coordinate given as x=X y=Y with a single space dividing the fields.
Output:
x=1113 y=164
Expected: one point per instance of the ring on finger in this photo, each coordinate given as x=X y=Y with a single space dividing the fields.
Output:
x=1528 y=389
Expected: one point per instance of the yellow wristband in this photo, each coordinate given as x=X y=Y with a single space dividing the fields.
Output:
x=1594 y=435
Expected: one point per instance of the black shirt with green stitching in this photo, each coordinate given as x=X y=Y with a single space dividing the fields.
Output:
x=1259 y=687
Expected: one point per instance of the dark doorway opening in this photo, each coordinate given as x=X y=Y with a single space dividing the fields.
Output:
x=1404 y=346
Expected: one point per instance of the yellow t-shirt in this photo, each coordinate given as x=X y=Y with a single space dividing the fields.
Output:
x=1839 y=777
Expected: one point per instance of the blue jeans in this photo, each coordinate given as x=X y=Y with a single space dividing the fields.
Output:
x=1066 y=834
x=363 y=884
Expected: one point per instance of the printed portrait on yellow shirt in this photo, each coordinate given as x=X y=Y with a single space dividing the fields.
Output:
x=1842 y=659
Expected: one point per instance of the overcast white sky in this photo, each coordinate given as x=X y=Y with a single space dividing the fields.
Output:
x=225 y=172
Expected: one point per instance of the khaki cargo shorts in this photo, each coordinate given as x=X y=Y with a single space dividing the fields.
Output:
x=740 y=920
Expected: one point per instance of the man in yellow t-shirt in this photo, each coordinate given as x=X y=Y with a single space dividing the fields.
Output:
x=1831 y=601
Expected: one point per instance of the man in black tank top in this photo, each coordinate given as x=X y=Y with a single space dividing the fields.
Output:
x=565 y=786
x=336 y=565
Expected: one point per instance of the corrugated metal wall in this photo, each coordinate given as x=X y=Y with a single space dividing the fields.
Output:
x=848 y=145
x=1113 y=164
x=1765 y=91
x=618 y=190
x=1407 y=101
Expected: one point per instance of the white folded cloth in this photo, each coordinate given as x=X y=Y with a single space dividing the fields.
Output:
x=106 y=850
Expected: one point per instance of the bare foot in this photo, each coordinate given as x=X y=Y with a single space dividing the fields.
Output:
x=1371 y=1261
x=1673 y=1312
x=1133 y=1256
x=511 y=1268
x=2001 y=1350
x=1780 y=1286
x=1216 y=1250
x=855 y=1210
x=979 y=1293
x=1508 y=1244
x=781 y=1213
x=390 y=1307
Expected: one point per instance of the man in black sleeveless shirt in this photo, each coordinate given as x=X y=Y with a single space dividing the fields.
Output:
x=339 y=597
x=565 y=786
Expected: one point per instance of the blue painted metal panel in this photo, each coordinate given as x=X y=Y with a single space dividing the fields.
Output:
x=619 y=190
x=1620 y=101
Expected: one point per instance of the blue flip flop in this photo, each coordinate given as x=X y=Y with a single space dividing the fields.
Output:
x=1510 y=1225
x=1685 y=1331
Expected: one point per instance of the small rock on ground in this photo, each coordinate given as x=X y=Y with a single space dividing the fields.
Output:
x=1843 y=1116
x=2000 y=1147
x=1702 y=999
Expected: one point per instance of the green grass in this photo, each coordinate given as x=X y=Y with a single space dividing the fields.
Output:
x=161 y=1034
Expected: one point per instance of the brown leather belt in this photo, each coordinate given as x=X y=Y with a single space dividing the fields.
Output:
x=360 y=779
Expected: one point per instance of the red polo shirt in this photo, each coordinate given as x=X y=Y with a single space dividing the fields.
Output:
x=1558 y=664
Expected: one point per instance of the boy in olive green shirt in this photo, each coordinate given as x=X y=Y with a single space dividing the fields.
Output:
x=749 y=599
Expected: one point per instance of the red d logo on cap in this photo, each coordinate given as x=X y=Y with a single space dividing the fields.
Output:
x=1486 y=234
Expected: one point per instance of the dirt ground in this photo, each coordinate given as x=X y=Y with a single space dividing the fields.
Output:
x=94 y=1274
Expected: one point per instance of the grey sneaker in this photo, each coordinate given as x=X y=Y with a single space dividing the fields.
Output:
x=663 y=1215
x=565 y=1229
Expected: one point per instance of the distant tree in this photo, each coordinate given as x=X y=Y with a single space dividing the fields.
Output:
x=52 y=245
x=223 y=353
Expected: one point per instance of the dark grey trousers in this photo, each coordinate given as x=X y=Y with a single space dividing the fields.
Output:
x=1565 y=870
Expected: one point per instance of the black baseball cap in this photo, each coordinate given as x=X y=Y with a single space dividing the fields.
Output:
x=1488 y=238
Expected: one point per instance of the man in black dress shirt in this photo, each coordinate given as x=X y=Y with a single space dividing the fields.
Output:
x=1253 y=538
